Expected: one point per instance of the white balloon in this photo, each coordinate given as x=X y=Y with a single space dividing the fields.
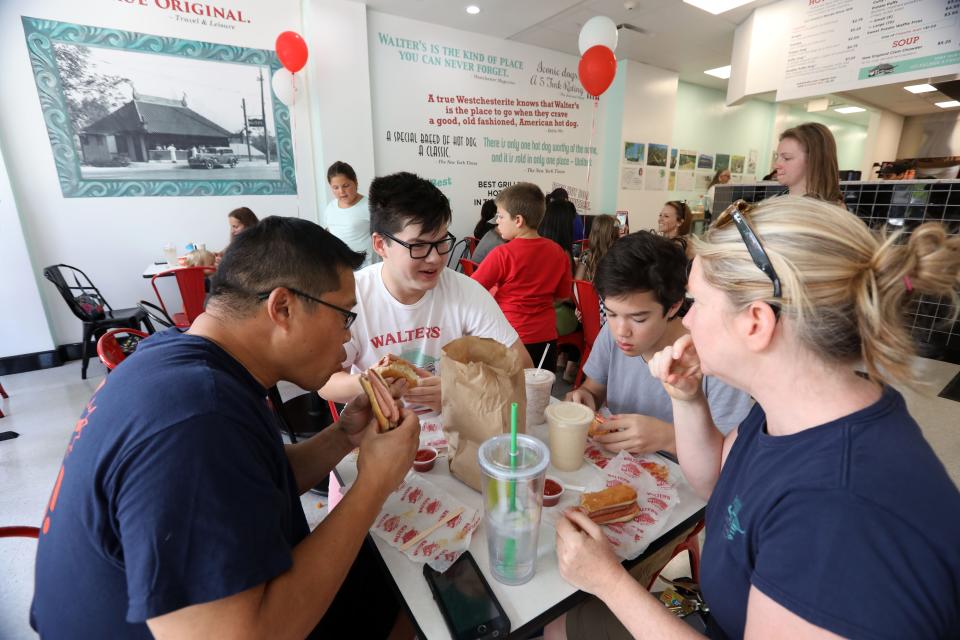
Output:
x=598 y=30
x=286 y=86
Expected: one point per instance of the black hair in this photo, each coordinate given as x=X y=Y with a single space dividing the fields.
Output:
x=341 y=169
x=280 y=252
x=487 y=211
x=558 y=195
x=404 y=198
x=557 y=224
x=643 y=261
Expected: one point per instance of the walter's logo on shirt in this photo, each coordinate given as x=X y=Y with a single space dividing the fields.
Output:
x=731 y=527
x=399 y=337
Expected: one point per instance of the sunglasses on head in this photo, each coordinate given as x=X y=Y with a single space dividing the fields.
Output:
x=736 y=213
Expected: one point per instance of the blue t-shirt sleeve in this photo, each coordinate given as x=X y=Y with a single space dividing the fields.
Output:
x=199 y=517
x=852 y=568
x=598 y=364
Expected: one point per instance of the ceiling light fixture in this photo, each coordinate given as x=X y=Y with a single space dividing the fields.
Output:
x=473 y=9
x=949 y=104
x=920 y=88
x=716 y=7
x=846 y=110
x=720 y=72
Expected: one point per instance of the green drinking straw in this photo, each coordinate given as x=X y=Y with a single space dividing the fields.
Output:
x=510 y=548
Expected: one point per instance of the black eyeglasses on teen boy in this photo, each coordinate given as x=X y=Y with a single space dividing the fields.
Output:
x=420 y=250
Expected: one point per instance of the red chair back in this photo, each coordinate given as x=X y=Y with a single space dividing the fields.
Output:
x=19 y=532
x=471 y=243
x=109 y=350
x=588 y=302
x=468 y=266
x=193 y=291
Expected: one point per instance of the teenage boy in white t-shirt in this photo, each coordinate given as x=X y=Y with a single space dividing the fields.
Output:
x=410 y=304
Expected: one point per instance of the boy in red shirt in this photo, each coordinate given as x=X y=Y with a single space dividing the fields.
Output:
x=528 y=272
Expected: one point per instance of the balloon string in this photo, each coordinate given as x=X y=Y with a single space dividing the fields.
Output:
x=293 y=137
x=593 y=129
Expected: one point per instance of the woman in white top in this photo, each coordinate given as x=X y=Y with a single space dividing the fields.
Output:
x=720 y=177
x=347 y=216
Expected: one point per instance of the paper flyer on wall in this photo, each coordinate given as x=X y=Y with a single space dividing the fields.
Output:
x=686 y=180
x=631 y=177
x=655 y=179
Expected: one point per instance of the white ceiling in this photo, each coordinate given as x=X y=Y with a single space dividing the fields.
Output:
x=676 y=36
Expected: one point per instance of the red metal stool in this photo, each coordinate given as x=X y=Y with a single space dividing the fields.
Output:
x=692 y=546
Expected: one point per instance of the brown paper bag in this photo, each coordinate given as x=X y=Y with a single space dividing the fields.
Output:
x=479 y=379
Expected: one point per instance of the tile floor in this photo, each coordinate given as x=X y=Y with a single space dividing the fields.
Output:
x=44 y=406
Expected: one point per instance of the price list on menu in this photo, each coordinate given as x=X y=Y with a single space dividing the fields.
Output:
x=840 y=45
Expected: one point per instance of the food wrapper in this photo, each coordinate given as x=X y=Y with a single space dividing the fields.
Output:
x=656 y=490
x=431 y=432
x=417 y=505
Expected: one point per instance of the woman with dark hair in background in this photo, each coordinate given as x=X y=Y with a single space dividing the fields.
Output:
x=557 y=224
x=486 y=232
x=560 y=195
x=240 y=219
x=675 y=220
x=347 y=216
x=807 y=162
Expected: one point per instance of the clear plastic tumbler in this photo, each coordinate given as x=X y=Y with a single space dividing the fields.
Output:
x=512 y=500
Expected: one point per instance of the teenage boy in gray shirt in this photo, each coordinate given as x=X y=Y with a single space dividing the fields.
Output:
x=642 y=281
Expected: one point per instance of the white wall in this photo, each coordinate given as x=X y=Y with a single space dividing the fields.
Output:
x=930 y=136
x=650 y=105
x=113 y=239
x=883 y=137
x=759 y=53
x=339 y=74
x=23 y=324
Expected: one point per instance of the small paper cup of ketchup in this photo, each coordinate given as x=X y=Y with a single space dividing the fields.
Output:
x=552 y=492
x=425 y=458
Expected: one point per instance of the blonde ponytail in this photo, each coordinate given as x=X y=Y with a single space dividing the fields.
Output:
x=844 y=286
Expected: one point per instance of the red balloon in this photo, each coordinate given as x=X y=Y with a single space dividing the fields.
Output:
x=597 y=68
x=292 y=51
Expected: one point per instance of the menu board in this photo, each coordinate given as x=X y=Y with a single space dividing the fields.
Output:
x=840 y=45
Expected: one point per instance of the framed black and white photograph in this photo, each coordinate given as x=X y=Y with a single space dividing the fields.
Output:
x=131 y=114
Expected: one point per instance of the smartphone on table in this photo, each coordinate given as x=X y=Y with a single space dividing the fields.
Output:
x=466 y=601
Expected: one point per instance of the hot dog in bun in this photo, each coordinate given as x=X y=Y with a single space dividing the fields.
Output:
x=376 y=384
x=614 y=504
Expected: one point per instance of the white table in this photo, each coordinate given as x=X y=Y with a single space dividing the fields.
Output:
x=547 y=595
x=153 y=269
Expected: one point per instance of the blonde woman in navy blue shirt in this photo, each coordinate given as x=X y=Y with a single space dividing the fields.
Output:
x=828 y=513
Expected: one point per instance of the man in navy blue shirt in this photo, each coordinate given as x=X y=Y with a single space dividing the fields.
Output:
x=176 y=512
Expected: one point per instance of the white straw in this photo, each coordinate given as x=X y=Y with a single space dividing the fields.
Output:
x=543 y=357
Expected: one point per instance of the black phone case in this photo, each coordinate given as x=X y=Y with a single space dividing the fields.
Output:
x=502 y=631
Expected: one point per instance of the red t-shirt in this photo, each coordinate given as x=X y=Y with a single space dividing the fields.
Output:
x=529 y=274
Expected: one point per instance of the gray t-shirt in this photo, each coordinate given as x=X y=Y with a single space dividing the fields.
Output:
x=490 y=241
x=632 y=389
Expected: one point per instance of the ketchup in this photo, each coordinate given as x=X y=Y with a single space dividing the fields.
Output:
x=424 y=455
x=551 y=488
